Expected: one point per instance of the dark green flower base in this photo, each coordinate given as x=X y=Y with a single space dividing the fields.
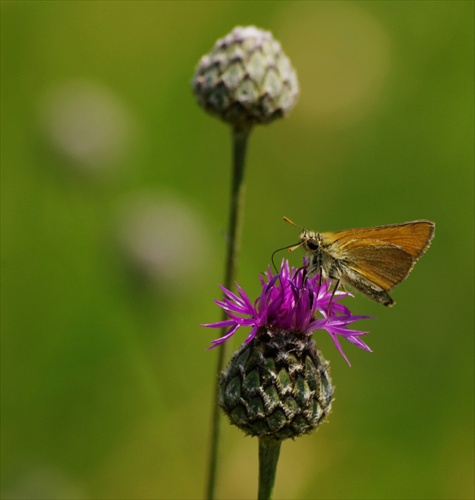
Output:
x=277 y=386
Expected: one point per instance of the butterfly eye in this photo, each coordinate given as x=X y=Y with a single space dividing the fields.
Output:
x=312 y=245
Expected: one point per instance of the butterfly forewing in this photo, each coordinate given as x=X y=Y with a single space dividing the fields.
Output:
x=413 y=237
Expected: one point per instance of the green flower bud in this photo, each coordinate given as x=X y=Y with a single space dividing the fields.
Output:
x=246 y=79
x=277 y=386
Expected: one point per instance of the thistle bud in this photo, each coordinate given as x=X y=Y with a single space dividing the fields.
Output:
x=246 y=79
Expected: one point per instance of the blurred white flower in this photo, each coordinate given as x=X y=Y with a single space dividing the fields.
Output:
x=87 y=124
x=44 y=481
x=164 y=238
x=344 y=56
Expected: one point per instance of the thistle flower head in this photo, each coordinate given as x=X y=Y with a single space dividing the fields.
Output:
x=246 y=78
x=277 y=385
x=291 y=302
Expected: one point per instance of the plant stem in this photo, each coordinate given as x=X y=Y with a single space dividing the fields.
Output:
x=269 y=450
x=239 y=137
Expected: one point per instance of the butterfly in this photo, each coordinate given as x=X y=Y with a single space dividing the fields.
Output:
x=372 y=260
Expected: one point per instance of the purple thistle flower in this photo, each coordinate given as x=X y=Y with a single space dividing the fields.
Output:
x=290 y=301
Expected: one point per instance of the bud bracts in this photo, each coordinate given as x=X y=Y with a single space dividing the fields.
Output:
x=246 y=78
x=277 y=386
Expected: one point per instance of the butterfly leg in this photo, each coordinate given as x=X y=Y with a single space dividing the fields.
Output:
x=335 y=288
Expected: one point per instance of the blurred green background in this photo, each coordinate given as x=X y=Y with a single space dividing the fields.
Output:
x=114 y=205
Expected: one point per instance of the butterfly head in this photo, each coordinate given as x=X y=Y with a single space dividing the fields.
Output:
x=310 y=240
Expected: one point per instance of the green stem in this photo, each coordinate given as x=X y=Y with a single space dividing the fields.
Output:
x=269 y=450
x=240 y=136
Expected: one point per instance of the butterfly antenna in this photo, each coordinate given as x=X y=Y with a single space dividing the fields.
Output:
x=293 y=223
x=292 y=247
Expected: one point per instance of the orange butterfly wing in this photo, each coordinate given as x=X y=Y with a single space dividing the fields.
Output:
x=384 y=255
x=413 y=237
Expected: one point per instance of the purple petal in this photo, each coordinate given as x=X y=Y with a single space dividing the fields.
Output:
x=227 y=306
x=252 y=334
x=222 y=339
x=220 y=324
x=232 y=296
x=359 y=343
x=245 y=298
x=338 y=346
